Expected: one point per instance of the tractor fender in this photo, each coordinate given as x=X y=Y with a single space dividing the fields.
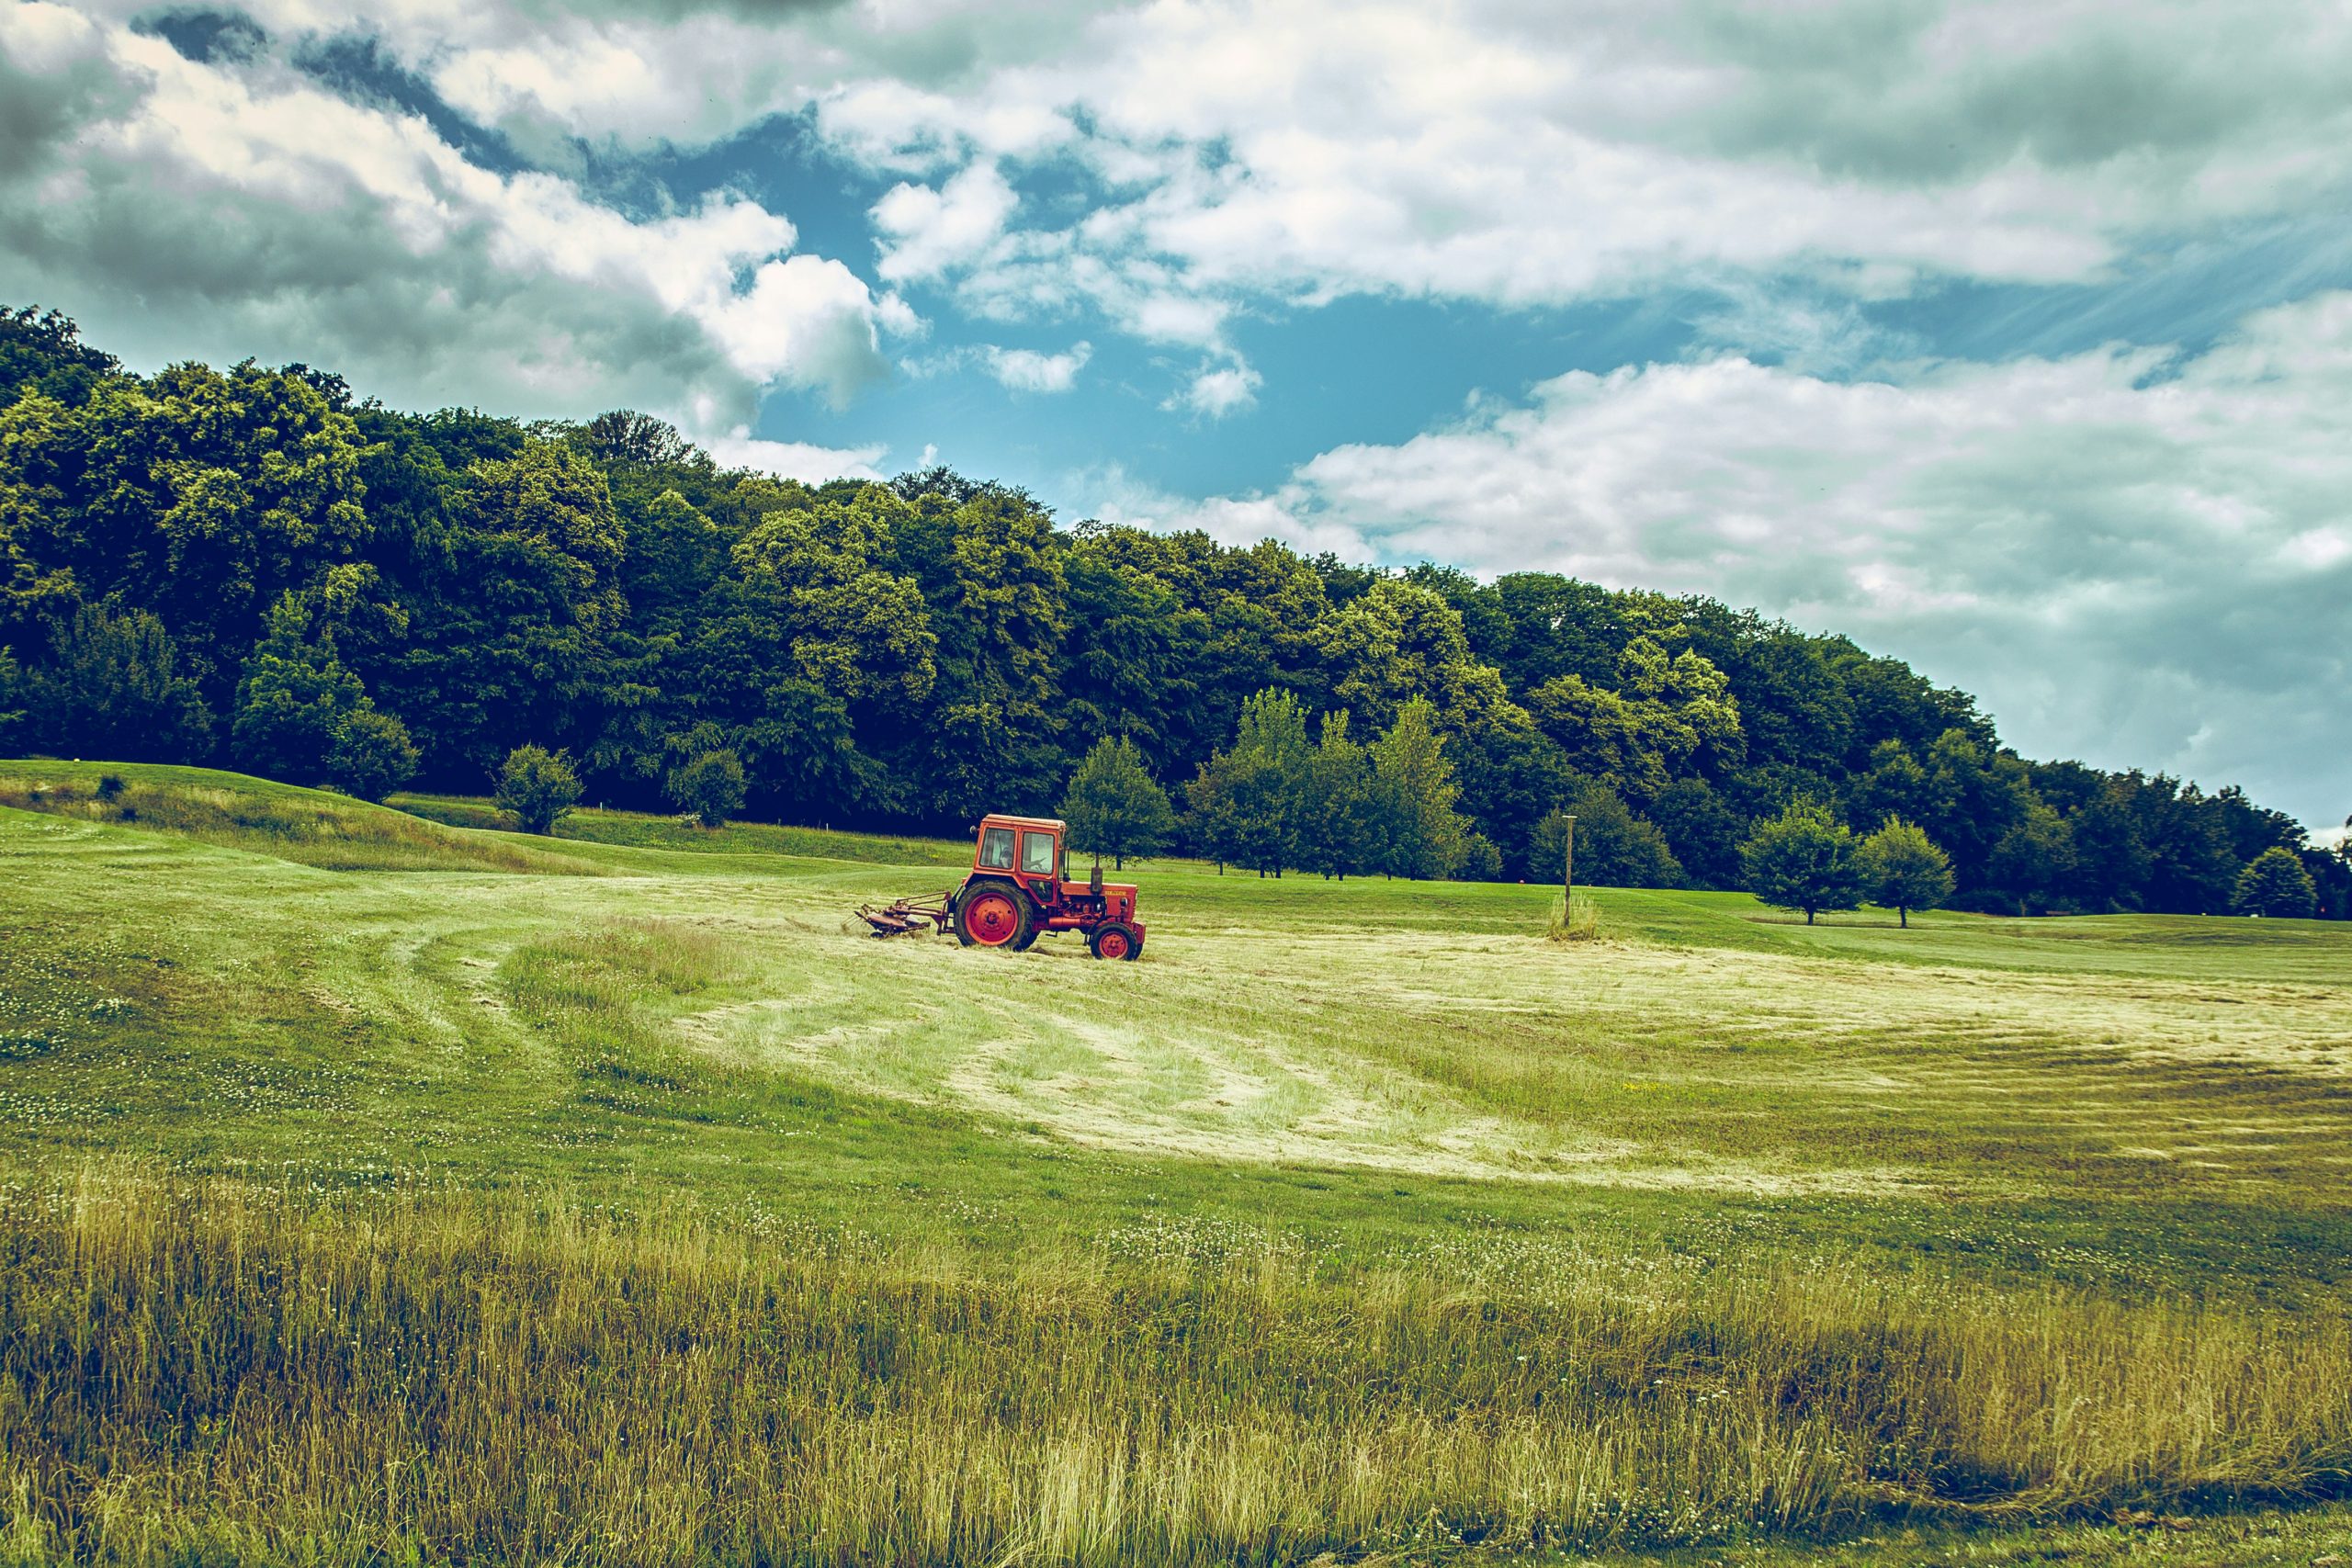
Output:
x=980 y=880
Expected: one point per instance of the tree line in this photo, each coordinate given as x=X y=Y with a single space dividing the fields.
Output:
x=253 y=566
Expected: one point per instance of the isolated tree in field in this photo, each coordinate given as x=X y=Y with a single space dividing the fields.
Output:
x=1803 y=859
x=1413 y=796
x=709 y=786
x=1241 y=811
x=1903 y=870
x=537 y=788
x=1114 y=805
x=2275 y=883
x=294 y=696
x=112 y=690
x=1249 y=803
x=372 y=754
x=1341 y=833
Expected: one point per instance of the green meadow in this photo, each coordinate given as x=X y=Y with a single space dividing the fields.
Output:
x=381 y=1187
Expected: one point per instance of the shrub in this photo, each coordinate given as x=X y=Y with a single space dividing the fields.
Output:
x=537 y=788
x=709 y=786
x=372 y=754
x=1480 y=861
x=2275 y=883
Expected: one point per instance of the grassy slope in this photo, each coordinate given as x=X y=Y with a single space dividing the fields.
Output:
x=2146 y=1109
x=2115 y=1099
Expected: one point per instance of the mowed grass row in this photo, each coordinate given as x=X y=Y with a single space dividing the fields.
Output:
x=210 y=1372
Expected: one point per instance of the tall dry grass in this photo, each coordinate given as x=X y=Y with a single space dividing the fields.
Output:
x=1576 y=918
x=210 y=1372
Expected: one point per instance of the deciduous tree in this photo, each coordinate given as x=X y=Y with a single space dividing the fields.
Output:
x=1114 y=806
x=293 y=698
x=537 y=788
x=708 y=786
x=2275 y=883
x=1341 y=831
x=372 y=755
x=1803 y=859
x=112 y=689
x=1413 y=796
x=1615 y=847
x=1903 y=870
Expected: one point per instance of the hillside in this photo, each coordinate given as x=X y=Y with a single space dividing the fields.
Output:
x=906 y=1251
x=1374 y=1029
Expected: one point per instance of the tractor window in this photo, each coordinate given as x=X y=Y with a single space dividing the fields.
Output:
x=1038 y=854
x=996 y=848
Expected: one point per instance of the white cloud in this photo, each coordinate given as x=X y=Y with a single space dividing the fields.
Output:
x=2134 y=567
x=180 y=208
x=1519 y=155
x=925 y=232
x=805 y=320
x=1242 y=151
x=1215 y=392
x=795 y=459
x=1027 y=370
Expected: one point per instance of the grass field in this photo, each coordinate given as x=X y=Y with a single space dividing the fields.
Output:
x=385 y=1188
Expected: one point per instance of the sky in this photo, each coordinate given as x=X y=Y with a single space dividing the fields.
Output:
x=2013 y=339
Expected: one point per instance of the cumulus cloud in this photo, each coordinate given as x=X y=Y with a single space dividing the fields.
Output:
x=1217 y=391
x=1027 y=370
x=1500 y=150
x=2131 y=560
x=1519 y=155
x=923 y=230
x=1243 y=150
x=238 y=208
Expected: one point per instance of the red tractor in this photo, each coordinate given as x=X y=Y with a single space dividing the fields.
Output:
x=1019 y=887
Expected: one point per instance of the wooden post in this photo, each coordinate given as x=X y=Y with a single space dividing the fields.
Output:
x=1568 y=870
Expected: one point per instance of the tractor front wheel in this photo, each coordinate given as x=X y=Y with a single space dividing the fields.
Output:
x=1116 y=941
x=994 y=914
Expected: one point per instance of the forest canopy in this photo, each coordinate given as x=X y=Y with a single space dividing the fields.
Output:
x=250 y=566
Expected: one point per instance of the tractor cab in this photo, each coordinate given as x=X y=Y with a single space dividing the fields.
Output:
x=1019 y=887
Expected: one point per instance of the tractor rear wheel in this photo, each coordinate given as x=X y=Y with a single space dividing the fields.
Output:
x=994 y=914
x=1116 y=941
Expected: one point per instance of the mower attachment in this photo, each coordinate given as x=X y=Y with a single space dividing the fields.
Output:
x=907 y=915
